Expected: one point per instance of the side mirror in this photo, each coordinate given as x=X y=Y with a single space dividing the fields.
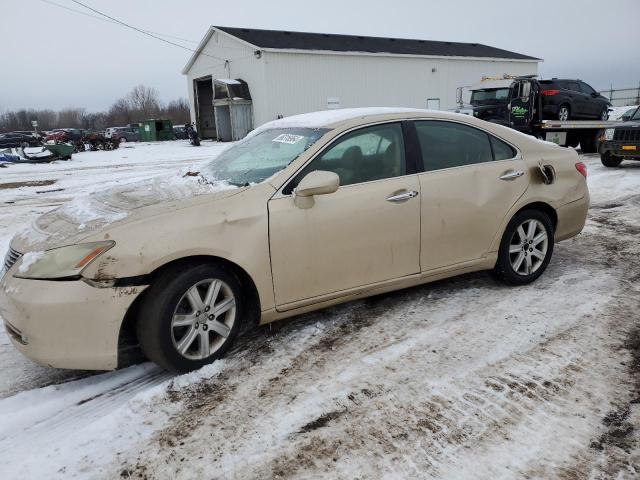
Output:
x=318 y=182
x=594 y=94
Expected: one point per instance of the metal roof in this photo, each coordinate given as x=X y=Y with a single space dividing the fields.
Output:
x=317 y=42
x=351 y=43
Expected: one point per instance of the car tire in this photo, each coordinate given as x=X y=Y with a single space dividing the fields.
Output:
x=604 y=115
x=564 y=112
x=610 y=161
x=177 y=328
x=520 y=266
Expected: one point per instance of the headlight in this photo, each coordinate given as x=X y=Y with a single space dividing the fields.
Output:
x=608 y=133
x=61 y=262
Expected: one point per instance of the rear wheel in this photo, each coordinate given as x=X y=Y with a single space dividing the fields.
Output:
x=526 y=248
x=564 y=113
x=190 y=317
x=609 y=160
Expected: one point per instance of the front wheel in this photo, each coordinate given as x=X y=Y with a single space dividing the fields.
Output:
x=190 y=317
x=609 y=160
x=526 y=248
x=604 y=115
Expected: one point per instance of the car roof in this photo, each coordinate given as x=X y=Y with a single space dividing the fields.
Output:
x=335 y=118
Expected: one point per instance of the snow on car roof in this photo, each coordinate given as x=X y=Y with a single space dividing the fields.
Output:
x=490 y=84
x=326 y=118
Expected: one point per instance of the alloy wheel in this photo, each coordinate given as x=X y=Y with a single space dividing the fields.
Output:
x=528 y=247
x=203 y=319
x=563 y=114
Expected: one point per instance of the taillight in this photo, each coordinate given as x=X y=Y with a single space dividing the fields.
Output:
x=582 y=168
x=550 y=93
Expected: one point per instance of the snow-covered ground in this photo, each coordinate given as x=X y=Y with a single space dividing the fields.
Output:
x=463 y=378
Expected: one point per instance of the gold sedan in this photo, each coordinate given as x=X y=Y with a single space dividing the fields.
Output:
x=306 y=212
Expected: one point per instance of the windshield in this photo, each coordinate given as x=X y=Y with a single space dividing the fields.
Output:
x=485 y=97
x=636 y=116
x=260 y=156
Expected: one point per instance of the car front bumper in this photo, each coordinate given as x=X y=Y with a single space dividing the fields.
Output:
x=65 y=324
x=617 y=148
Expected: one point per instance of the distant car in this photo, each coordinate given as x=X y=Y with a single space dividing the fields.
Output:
x=126 y=134
x=304 y=213
x=180 y=132
x=565 y=99
x=65 y=135
x=626 y=116
x=19 y=139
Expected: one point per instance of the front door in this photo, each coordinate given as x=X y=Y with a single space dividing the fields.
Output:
x=366 y=232
x=521 y=105
x=471 y=181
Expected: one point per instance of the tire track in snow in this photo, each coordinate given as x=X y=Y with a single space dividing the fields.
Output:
x=32 y=420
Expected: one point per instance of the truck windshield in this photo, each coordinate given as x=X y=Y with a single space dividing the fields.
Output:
x=489 y=96
x=261 y=155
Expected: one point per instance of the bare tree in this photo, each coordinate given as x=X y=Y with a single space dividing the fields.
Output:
x=71 y=117
x=140 y=104
x=146 y=100
x=178 y=111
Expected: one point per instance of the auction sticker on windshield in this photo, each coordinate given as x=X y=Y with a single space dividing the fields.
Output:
x=288 y=138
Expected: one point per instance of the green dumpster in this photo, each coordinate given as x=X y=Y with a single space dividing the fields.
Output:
x=154 y=130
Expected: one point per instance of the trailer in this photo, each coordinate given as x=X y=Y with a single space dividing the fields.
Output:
x=587 y=133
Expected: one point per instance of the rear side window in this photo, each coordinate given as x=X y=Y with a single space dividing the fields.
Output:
x=449 y=145
x=574 y=86
x=501 y=150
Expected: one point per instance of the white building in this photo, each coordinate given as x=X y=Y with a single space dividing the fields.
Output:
x=291 y=72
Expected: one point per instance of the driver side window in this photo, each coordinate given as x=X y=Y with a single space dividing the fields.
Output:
x=364 y=155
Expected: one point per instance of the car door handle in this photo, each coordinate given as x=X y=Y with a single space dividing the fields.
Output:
x=512 y=175
x=402 y=197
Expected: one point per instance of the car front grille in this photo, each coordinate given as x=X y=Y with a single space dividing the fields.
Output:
x=11 y=258
x=627 y=135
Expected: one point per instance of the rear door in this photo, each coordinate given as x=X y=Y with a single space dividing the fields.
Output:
x=521 y=105
x=366 y=232
x=580 y=100
x=471 y=180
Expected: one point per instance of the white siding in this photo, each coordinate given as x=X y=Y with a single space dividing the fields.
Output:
x=300 y=83
x=290 y=83
x=242 y=64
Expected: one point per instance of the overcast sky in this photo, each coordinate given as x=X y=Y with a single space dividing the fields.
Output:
x=54 y=58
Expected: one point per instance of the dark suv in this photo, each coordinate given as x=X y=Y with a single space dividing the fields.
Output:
x=621 y=142
x=564 y=99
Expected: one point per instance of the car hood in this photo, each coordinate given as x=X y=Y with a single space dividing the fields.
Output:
x=629 y=124
x=89 y=214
